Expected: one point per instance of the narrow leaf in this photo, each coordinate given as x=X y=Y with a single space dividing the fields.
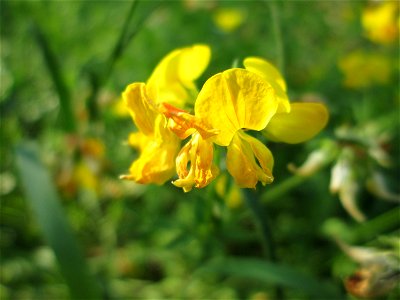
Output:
x=44 y=201
x=270 y=273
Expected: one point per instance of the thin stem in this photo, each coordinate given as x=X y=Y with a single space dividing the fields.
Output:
x=283 y=188
x=385 y=222
x=261 y=216
x=276 y=27
x=98 y=79
x=53 y=65
x=121 y=42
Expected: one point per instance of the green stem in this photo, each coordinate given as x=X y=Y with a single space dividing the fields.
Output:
x=66 y=113
x=383 y=223
x=121 y=42
x=277 y=191
x=98 y=79
x=261 y=216
x=276 y=27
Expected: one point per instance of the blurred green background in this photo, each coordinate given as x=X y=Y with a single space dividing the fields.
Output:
x=71 y=229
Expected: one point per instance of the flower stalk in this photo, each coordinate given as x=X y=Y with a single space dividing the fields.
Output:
x=262 y=221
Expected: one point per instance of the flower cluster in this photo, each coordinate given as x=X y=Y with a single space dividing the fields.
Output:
x=228 y=106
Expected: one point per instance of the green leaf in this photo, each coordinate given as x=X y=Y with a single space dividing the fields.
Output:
x=44 y=201
x=270 y=273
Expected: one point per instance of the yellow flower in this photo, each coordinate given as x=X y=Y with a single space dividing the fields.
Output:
x=381 y=22
x=229 y=104
x=233 y=100
x=362 y=69
x=173 y=82
x=255 y=99
x=228 y=19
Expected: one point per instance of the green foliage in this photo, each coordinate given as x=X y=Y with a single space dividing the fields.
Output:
x=69 y=228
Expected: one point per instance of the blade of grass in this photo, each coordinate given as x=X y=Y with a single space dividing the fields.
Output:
x=270 y=273
x=44 y=201
x=53 y=65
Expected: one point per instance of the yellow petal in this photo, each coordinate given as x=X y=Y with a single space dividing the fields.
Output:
x=272 y=76
x=192 y=63
x=235 y=99
x=172 y=79
x=140 y=107
x=156 y=162
x=202 y=171
x=303 y=122
x=249 y=161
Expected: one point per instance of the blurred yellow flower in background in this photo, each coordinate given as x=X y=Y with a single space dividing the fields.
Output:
x=362 y=69
x=230 y=193
x=228 y=19
x=381 y=22
x=86 y=176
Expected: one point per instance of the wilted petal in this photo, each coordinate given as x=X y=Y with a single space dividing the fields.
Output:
x=235 y=99
x=272 y=76
x=379 y=272
x=172 y=79
x=341 y=171
x=317 y=159
x=348 y=197
x=140 y=107
x=303 y=122
x=376 y=184
x=249 y=161
x=314 y=162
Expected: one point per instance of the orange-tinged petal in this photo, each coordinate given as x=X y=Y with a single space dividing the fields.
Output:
x=172 y=79
x=184 y=124
x=272 y=76
x=235 y=99
x=140 y=107
x=199 y=153
x=304 y=121
x=249 y=161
